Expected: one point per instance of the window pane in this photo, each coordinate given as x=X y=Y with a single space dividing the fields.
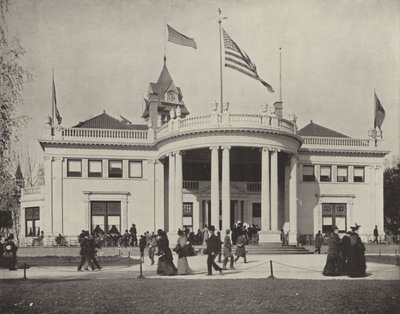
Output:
x=135 y=169
x=358 y=172
x=74 y=165
x=341 y=223
x=98 y=221
x=29 y=232
x=28 y=213
x=98 y=208
x=113 y=221
x=37 y=227
x=327 y=220
x=308 y=170
x=115 y=169
x=325 y=171
x=113 y=208
x=95 y=168
x=342 y=171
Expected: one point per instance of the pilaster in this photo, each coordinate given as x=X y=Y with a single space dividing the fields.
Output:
x=274 y=190
x=171 y=193
x=265 y=189
x=214 y=186
x=226 y=200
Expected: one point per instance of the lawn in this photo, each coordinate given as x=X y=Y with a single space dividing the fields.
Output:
x=199 y=296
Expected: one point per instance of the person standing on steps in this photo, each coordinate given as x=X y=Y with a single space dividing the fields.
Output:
x=213 y=244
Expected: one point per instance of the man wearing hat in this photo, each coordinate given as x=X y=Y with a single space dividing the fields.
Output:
x=213 y=244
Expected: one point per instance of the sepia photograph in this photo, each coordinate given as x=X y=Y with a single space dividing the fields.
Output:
x=187 y=156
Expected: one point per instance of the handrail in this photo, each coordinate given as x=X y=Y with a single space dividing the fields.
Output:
x=335 y=141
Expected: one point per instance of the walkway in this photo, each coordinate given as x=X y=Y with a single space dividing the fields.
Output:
x=284 y=267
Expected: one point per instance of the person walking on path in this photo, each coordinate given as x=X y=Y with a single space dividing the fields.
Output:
x=166 y=261
x=213 y=244
x=376 y=235
x=84 y=252
x=334 y=263
x=228 y=250
x=152 y=247
x=183 y=265
x=205 y=235
x=319 y=239
x=356 y=265
x=92 y=252
x=241 y=246
x=142 y=246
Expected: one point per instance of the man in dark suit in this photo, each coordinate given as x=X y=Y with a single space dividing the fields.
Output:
x=213 y=246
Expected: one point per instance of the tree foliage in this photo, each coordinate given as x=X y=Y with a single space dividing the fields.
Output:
x=392 y=198
x=12 y=80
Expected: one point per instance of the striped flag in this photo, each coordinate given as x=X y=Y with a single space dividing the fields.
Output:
x=237 y=59
x=379 y=113
x=177 y=38
x=54 y=105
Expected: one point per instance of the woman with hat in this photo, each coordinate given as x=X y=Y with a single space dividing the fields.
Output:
x=334 y=263
x=183 y=265
x=165 y=262
x=356 y=255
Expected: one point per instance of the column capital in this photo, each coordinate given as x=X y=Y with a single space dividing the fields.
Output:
x=58 y=158
x=228 y=147
x=214 y=147
x=171 y=154
x=46 y=158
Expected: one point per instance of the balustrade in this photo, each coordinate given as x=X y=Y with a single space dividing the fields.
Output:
x=335 y=141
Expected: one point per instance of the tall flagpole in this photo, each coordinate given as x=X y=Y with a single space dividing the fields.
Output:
x=165 y=39
x=52 y=100
x=280 y=74
x=220 y=57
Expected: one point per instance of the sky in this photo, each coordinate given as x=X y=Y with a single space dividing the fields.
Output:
x=105 y=53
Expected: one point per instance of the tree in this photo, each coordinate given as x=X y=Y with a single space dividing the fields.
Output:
x=392 y=198
x=12 y=80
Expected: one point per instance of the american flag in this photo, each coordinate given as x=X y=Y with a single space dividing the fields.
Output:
x=177 y=38
x=237 y=59
x=379 y=113
x=54 y=105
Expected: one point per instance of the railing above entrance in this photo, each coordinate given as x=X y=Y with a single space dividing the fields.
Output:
x=227 y=120
x=336 y=141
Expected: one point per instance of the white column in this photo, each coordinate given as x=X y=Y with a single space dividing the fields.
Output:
x=274 y=190
x=287 y=180
x=178 y=191
x=214 y=187
x=293 y=199
x=265 y=186
x=159 y=195
x=226 y=193
x=58 y=215
x=171 y=193
x=46 y=214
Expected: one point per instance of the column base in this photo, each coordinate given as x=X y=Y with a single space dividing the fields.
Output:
x=269 y=236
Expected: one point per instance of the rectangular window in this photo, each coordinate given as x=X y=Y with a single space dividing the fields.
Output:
x=105 y=216
x=308 y=174
x=188 y=215
x=325 y=174
x=342 y=174
x=334 y=215
x=135 y=169
x=32 y=221
x=115 y=168
x=95 y=168
x=74 y=168
x=359 y=174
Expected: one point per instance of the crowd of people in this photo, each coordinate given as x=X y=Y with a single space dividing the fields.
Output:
x=346 y=256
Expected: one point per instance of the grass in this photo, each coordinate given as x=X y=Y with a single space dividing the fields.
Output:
x=199 y=296
x=72 y=261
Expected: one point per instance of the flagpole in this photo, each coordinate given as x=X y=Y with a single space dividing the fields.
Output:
x=220 y=57
x=52 y=100
x=165 y=39
x=280 y=74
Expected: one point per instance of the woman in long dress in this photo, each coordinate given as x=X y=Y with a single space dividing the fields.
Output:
x=241 y=246
x=356 y=265
x=334 y=263
x=183 y=266
x=165 y=262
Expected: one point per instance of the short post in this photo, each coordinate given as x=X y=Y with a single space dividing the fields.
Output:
x=24 y=272
x=141 y=270
x=272 y=270
x=129 y=258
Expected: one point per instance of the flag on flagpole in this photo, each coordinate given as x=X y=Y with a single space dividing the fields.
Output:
x=379 y=113
x=177 y=38
x=237 y=59
x=54 y=104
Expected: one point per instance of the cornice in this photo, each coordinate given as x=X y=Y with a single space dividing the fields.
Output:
x=333 y=151
x=109 y=145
